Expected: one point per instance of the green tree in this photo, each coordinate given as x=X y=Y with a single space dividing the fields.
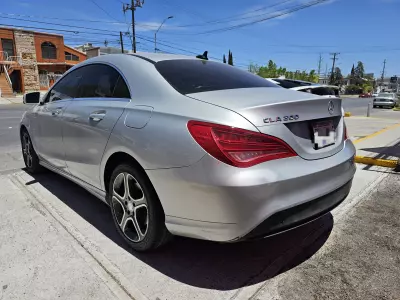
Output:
x=359 y=70
x=230 y=58
x=352 y=75
x=337 y=77
x=254 y=68
x=224 y=59
x=312 y=76
x=271 y=69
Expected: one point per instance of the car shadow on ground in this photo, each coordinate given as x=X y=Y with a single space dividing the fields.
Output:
x=199 y=263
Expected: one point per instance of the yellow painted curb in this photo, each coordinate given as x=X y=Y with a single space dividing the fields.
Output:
x=347 y=114
x=376 y=133
x=388 y=163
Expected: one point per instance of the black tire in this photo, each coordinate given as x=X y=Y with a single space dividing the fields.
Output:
x=31 y=159
x=153 y=225
x=374 y=106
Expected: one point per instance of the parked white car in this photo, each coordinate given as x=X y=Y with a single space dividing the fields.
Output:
x=330 y=91
x=385 y=100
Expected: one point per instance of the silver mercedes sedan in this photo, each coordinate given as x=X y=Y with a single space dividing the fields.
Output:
x=182 y=146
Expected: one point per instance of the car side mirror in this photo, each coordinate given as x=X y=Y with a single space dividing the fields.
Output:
x=32 y=98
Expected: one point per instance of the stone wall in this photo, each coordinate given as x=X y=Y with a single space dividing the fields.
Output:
x=25 y=47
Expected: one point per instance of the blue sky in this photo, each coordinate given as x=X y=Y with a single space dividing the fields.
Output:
x=365 y=30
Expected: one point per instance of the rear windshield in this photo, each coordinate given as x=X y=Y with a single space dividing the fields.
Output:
x=189 y=76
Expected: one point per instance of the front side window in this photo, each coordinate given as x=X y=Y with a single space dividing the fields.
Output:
x=67 y=87
x=102 y=81
x=189 y=76
x=49 y=51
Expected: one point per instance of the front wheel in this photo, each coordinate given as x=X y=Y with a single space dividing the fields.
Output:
x=28 y=153
x=136 y=209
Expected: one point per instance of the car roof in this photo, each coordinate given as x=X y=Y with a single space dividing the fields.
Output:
x=156 y=57
x=146 y=56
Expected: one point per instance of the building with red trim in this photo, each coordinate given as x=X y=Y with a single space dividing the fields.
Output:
x=32 y=61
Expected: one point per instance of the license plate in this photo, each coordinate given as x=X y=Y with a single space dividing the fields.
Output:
x=324 y=134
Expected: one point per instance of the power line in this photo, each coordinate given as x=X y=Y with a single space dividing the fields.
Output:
x=274 y=16
x=238 y=17
x=106 y=12
x=57 y=24
x=76 y=20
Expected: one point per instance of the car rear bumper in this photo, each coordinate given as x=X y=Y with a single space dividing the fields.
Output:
x=384 y=103
x=300 y=214
x=211 y=200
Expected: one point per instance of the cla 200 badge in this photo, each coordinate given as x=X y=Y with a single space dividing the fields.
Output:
x=281 y=119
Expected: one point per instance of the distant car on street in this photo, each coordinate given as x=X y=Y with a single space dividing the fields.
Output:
x=385 y=100
x=177 y=145
x=365 y=95
x=375 y=95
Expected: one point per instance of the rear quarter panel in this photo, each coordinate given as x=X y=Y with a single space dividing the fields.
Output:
x=164 y=141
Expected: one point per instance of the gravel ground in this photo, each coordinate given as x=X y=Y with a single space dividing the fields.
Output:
x=361 y=259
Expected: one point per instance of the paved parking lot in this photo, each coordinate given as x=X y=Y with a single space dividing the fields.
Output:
x=58 y=241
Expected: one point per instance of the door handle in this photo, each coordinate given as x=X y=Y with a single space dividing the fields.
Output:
x=97 y=116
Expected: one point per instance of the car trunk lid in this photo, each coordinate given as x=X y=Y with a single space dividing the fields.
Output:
x=290 y=115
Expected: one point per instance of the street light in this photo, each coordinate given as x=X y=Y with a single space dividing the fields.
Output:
x=155 y=34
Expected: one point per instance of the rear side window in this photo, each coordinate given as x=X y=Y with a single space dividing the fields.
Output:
x=99 y=81
x=189 y=76
x=67 y=87
x=121 y=89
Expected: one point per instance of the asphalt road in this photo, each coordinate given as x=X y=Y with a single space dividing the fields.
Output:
x=10 y=116
x=359 y=107
x=10 y=148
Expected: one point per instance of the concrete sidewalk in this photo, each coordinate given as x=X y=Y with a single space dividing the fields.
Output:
x=14 y=100
x=38 y=258
x=375 y=137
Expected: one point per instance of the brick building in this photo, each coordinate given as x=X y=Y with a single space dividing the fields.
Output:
x=32 y=61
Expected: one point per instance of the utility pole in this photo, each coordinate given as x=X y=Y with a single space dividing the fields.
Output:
x=319 y=65
x=383 y=74
x=335 y=54
x=132 y=7
x=121 y=41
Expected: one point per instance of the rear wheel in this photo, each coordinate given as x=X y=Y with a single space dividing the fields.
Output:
x=374 y=106
x=136 y=209
x=28 y=153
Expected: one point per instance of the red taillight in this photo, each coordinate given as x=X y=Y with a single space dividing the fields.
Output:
x=238 y=147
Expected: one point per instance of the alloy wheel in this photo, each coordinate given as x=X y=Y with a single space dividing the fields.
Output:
x=27 y=150
x=130 y=207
